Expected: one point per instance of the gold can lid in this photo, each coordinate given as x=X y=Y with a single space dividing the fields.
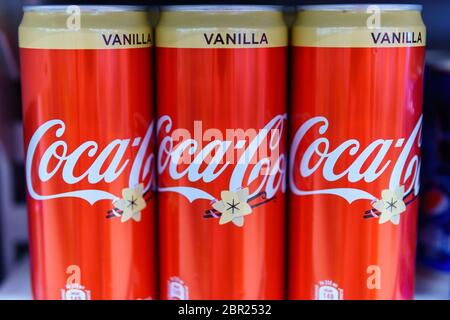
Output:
x=221 y=8
x=360 y=7
x=85 y=27
x=359 y=26
x=210 y=26
x=83 y=8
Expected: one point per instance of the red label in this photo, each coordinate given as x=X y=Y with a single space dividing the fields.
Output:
x=355 y=158
x=222 y=168
x=88 y=131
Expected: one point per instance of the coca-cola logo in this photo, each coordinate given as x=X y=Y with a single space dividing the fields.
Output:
x=368 y=163
x=246 y=161
x=258 y=164
x=60 y=159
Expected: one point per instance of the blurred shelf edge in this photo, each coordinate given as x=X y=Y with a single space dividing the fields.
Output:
x=17 y=285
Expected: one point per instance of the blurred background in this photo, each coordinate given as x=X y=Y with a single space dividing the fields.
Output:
x=433 y=272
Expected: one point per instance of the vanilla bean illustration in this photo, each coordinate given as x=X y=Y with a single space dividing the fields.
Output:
x=115 y=212
x=374 y=213
x=111 y=213
x=213 y=213
x=149 y=193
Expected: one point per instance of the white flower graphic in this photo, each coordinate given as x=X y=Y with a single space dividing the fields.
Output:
x=233 y=207
x=391 y=205
x=131 y=204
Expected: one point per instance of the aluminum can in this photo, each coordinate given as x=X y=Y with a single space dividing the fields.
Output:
x=88 y=131
x=355 y=136
x=221 y=106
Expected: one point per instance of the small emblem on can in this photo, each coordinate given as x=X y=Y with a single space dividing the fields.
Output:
x=74 y=289
x=328 y=290
x=177 y=290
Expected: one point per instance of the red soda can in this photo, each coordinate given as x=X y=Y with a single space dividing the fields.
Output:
x=221 y=105
x=355 y=151
x=88 y=127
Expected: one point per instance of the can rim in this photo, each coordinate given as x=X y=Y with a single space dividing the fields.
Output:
x=360 y=7
x=221 y=8
x=85 y=8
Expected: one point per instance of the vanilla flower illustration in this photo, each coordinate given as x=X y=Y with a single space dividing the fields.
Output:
x=132 y=203
x=391 y=205
x=233 y=207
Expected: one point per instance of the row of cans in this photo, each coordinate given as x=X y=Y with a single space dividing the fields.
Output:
x=201 y=182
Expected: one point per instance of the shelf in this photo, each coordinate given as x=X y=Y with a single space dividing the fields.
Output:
x=17 y=285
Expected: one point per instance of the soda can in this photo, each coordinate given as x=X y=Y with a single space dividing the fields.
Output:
x=355 y=136
x=88 y=130
x=434 y=231
x=221 y=106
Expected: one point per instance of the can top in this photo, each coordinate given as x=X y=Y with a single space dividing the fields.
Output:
x=221 y=27
x=83 y=8
x=360 y=7
x=359 y=26
x=61 y=27
x=222 y=8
